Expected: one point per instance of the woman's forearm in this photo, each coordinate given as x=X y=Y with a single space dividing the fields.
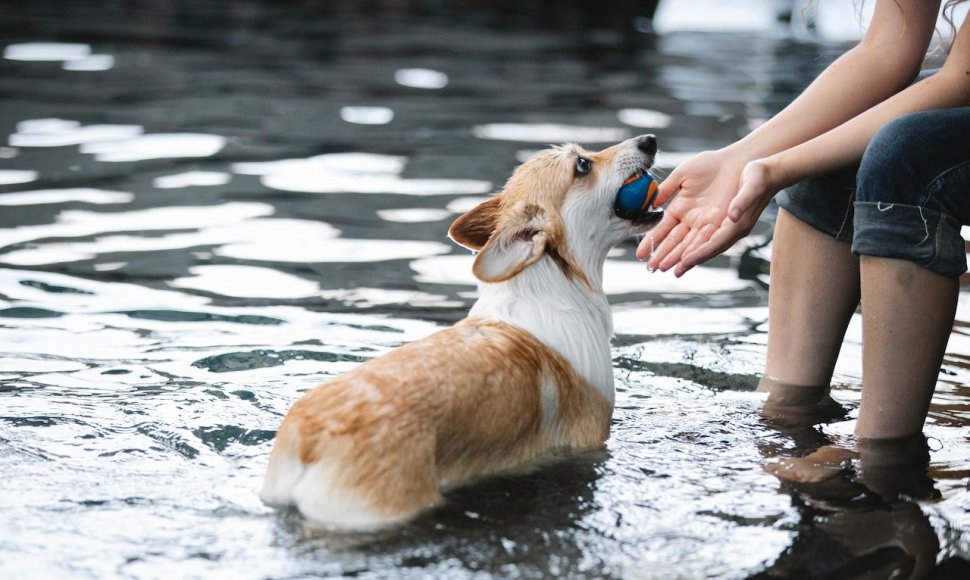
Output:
x=846 y=143
x=878 y=67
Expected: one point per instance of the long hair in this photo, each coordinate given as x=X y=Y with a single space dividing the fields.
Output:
x=948 y=7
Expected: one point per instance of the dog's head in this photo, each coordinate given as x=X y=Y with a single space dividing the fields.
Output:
x=559 y=203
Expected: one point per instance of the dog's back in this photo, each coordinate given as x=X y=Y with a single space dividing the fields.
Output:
x=373 y=446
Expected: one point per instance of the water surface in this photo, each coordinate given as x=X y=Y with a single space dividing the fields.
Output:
x=207 y=208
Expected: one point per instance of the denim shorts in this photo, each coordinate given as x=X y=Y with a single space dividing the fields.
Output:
x=907 y=198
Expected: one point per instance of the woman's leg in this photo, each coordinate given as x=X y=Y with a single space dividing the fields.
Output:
x=907 y=316
x=813 y=293
x=912 y=198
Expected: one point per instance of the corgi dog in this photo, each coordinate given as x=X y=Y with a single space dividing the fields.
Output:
x=526 y=376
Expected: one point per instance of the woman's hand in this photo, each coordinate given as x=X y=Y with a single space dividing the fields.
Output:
x=704 y=185
x=718 y=204
x=756 y=190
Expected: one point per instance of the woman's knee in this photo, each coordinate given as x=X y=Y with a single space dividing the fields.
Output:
x=891 y=171
x=919 y=159
x=910 y=198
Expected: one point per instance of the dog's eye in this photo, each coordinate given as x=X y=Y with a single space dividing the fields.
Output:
x=583 y=166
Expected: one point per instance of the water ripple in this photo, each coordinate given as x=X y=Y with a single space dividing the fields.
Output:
x=237 y=204
x=257 y=359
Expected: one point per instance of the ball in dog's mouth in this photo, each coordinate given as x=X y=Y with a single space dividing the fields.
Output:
x=634 y=200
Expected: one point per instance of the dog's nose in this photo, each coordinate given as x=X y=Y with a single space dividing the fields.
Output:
x=647 y=144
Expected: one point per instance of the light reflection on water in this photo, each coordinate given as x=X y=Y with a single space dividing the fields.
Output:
x=17 y=176
x=367 y=115
x=421 y=78
x=114 y=143
x=192 y=237
x=354 y=173
x=338 y=250
x=192 y=179
x=160 y=146
x=72 y=56
x=644 y=118
x=549 y=133
x=414 y=215
x=62 y=132
x=82 y=194
x=90 y=63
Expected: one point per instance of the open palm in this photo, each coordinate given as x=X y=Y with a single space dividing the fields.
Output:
x=704 y=187
x=718 y=202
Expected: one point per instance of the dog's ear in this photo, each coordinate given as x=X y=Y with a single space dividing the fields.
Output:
x=474 y=228
x=518 y=241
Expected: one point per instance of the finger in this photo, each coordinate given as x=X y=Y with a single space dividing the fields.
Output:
x=672 y=242
x=722 y=239
x=674 y=255
x=681 y=269
x=741 y=203
x=702 y=237
x=673 y=258
x=698 y=256
x=656 y=236
x=665 y=191
x=668 y=187
x=693 y=239
x=702 y=253
x=753 y=188
x=646 y=247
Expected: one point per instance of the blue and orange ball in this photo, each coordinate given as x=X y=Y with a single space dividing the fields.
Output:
x=636 y=196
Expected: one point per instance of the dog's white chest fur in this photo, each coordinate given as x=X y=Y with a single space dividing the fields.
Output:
x=568 y=317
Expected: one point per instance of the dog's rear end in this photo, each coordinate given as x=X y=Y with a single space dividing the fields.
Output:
x=527 y=375
x=373 y=446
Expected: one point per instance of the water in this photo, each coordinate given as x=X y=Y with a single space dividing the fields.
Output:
x=208 y=208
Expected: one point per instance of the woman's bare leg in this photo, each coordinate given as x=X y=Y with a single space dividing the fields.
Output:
x=907 y=317
x=813 y=293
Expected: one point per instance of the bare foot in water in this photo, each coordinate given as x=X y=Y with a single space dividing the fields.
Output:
x=889 y=468
x=816 y=467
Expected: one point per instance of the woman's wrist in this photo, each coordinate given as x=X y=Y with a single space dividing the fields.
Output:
x=778 y=171
x=782 y=172
x=745 y=151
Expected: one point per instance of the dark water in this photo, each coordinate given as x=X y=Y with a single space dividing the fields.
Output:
x=208 y=207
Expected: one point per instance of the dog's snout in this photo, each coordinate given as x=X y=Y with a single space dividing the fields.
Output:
x=647 y=144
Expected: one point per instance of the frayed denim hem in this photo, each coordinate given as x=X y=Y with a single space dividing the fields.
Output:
x=920 y=235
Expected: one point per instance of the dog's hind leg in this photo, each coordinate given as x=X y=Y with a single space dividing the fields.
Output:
x=351 y=489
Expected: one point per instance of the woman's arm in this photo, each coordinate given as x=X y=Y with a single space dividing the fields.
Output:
x=884 y=62
x=762 y=179
x=846 y=143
